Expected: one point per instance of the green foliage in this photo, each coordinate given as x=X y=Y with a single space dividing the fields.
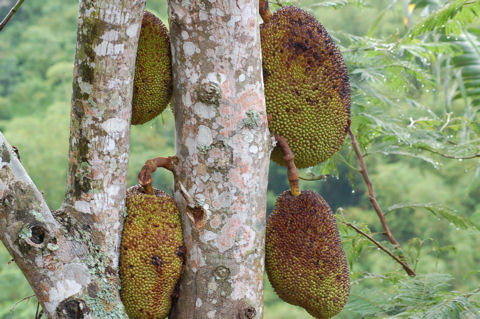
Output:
x=453 y=18
x=424 y=296
x=469 y=64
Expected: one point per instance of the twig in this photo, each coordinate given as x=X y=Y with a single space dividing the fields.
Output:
x=371 y=194
x=292 y=172
x=38 y=314
x=265 y=12
x=472 y=293
x=405 y=266
x=450 y=156
x=145 y=176
x=10 y=14
x=12 y=309
x=449 y=115
x=314 y=178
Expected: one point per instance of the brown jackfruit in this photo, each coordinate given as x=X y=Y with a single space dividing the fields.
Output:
x=151 y=254
x=307 y=91
x=152 y=86
x=304 y=257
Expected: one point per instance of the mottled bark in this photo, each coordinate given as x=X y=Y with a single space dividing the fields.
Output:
x=70 y=257
x=223 y=149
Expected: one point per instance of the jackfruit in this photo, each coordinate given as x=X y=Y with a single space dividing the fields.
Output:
x=307 y=91
x=151 y=254
x=304 y=257
x=152 y=86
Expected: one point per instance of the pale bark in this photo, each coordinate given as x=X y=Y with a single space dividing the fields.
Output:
x=70 y=257
x=223 y=149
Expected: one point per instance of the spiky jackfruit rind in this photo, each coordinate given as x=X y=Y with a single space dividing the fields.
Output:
x=307 y=91
x=151 y=254
x=304 y=256
x=152 y=87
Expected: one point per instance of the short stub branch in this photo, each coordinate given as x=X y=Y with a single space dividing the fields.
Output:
x=195 y=211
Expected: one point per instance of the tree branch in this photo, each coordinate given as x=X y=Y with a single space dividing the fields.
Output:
x=373 y=199
x=34 y=239
x=371 y=195
x=405 y=266
x=10 y=14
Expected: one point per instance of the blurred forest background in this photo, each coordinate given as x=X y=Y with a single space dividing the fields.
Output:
x=415 y=76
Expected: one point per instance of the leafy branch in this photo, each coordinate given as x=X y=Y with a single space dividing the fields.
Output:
x=453 y=17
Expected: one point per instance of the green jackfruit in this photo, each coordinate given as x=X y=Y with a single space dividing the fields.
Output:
x=152 y=86
x=304 y=257
x=307 y=91
x=151 y=254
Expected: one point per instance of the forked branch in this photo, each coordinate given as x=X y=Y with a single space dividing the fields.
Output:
x=371 y=193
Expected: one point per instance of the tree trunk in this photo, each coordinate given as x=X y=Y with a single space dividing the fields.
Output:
x=70 y=257
x=223 y=149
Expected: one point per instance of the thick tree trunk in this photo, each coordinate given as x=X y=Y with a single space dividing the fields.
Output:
x=223 y=149
x=70 y=257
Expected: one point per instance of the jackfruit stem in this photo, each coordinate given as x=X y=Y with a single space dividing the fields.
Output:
x=265 y=11
x=292 y=171
x=145 y=176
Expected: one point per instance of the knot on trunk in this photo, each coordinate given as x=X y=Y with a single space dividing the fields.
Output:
x=72 y=308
